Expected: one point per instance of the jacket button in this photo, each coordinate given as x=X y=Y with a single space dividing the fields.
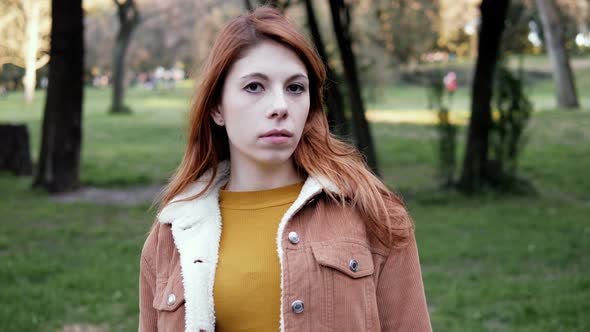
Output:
x=353 y=265
x=171 y=299
x=293 y=237
x=297 y=306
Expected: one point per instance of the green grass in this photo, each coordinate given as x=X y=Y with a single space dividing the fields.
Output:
x=490 y=263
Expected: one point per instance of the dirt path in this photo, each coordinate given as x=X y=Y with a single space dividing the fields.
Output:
x=126 y=196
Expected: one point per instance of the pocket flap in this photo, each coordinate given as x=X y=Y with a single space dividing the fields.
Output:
x=169 y=293
x=352 y=259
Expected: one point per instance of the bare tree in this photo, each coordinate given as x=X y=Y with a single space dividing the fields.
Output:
x=341 y=21
x=336 y=118
x=59 y=159
x=24 y=31
x=476 y=164
x=129 y=19
x=555 y=46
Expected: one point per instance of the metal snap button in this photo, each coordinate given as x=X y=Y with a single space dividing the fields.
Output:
x=297 y=306
x=171 y=299
x=353 y=265
x=293 y=237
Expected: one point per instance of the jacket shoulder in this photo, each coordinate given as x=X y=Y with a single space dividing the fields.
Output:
x=150 y=246
x=394 y=224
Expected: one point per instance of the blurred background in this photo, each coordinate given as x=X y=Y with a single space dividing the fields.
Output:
x=475 y=111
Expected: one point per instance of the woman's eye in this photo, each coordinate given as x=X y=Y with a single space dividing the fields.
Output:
x=296 y=88
x=253 y=87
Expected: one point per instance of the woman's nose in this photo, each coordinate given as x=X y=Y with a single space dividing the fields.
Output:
x=278 y=105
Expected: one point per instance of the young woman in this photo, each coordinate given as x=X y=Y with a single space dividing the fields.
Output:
x=270 y=223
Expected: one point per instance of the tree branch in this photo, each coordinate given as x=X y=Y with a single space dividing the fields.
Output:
x=42 y=61
x=6 y=19
x=13 y=60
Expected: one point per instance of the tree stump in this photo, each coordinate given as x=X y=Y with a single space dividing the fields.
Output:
x=15 y=155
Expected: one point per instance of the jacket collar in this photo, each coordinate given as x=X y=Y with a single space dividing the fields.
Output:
x=196 y=229
x=188 y=213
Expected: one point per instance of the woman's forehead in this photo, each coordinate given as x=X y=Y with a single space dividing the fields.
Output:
x=269 y=58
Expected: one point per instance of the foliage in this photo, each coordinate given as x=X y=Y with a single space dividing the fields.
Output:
x=447 y=131
x=407 y=29
x=10 y=76
x=515 y=37
x=574 y=18
x=19 y=21
x=24 y=32
x=455 y=16
x=514 y=109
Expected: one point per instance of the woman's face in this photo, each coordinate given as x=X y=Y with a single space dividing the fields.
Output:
x=264 y=105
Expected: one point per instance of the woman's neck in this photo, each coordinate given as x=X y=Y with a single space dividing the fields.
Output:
x=245 y=176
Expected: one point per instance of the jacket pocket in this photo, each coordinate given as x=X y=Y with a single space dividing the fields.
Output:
x=350 y=258
x=347 y=291
x=169 y=302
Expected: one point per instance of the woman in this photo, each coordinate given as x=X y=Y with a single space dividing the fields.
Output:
x=311 y=240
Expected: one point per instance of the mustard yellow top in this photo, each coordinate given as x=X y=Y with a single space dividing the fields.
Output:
x=247 y=291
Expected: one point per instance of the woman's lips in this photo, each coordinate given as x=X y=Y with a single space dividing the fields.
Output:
x=277 y=136
x=276 y=139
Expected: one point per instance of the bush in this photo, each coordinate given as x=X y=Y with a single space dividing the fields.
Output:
x=512 y=110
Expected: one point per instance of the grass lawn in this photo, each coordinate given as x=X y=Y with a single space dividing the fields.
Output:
x=495 y=263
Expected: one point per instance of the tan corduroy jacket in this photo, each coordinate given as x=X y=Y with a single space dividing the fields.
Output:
x=334 y=275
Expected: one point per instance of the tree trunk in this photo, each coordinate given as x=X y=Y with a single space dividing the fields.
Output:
x=555 y=46
x=281 y=5
x=32 y=44
x=336 y=118
x=248 y=5
x=15 y=154
x=59 y=159
x=341 y=23
x=128 y=20
x=475 y=164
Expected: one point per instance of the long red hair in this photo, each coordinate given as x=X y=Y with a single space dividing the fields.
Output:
x=319 y=153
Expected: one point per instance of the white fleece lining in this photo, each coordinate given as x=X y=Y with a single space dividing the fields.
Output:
x=196 y=229
x=310 y=188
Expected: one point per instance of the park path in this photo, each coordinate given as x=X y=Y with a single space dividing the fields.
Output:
x=110 y=196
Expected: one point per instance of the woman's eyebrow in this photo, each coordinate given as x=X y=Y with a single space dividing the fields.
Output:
x=255 y=75
x=296 y=76
x=264 y=77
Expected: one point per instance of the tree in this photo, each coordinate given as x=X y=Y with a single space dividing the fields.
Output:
x=341 y=21
x=24 y=31
x=129 y=19
x=555 y=45
x=455 y=17
x=407 y=29
x=59 y=159
x=336 y=118
x=281 y=5
x=476 y=167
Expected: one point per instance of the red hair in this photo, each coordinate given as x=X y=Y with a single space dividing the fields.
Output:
x=319 y=153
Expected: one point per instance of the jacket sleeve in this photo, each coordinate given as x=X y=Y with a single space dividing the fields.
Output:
x=148 y=316
x=400 y=291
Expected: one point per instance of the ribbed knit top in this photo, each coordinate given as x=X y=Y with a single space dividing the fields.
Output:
x=247 y=289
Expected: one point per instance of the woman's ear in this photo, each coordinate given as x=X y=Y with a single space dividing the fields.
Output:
x=217 y=117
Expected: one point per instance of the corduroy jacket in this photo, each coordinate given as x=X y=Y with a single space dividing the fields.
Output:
x=335 y=276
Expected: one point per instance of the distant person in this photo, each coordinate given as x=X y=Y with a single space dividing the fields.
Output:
x=450 y=81
x=270 y=223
